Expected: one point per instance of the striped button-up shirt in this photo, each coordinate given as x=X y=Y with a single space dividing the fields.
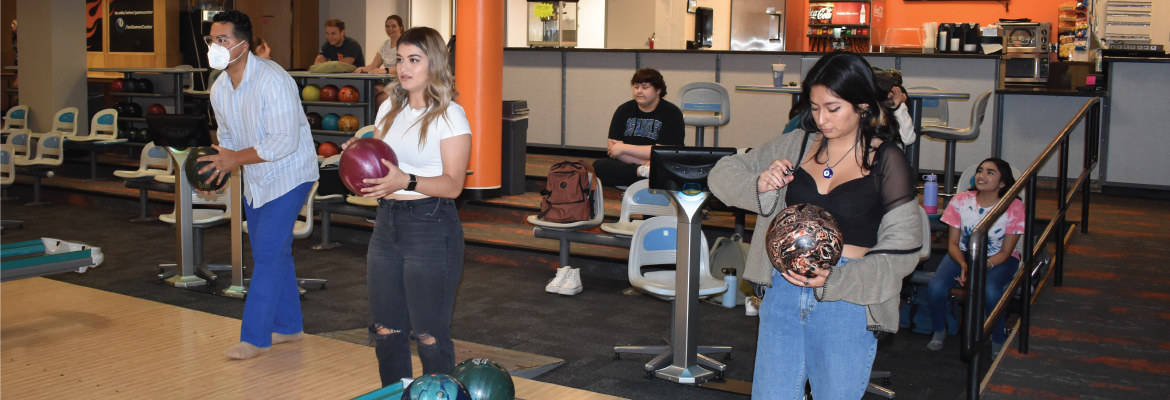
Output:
x=265 y=113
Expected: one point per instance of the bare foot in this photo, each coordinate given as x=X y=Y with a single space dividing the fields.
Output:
x=278 y=338
x=244 y=351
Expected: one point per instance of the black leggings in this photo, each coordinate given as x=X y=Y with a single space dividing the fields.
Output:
x=616 y=173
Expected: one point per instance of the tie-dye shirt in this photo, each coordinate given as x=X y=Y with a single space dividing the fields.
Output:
x=964 y=213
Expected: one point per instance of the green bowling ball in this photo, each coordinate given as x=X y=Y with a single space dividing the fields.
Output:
x=485 y=379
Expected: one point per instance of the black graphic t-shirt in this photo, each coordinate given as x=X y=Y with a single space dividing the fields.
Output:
x=348 y=48
x=663 y=126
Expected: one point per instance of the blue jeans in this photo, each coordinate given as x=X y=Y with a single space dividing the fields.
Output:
x=802 y=339
x=944 y=279
x=413 y=267
x=274 y=300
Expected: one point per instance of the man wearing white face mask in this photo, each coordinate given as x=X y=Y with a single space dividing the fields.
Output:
x=263 y=129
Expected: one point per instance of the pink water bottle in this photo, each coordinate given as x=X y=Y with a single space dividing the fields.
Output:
x=930 y=196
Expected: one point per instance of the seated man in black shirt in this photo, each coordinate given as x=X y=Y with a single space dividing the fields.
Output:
x=638 y=125
x=339 y=47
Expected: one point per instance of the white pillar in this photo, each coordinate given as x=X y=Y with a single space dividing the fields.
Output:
x=52 y=60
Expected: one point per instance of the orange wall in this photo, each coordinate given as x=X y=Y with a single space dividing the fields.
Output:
x=904 y=13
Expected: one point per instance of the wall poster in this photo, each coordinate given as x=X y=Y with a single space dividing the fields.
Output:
x=131 y=26
x=94 y=37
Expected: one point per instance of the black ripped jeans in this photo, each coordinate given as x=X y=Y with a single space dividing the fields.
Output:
x=413 y=266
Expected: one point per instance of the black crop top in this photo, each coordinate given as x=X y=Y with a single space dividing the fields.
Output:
x=859 y=204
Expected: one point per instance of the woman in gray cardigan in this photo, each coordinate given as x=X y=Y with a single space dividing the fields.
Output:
x=824 y=329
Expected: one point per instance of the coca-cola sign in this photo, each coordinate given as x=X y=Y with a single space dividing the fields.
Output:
x=820 y=13
x=837 y=13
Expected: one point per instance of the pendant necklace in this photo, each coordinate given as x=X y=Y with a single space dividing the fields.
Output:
x=828 y=172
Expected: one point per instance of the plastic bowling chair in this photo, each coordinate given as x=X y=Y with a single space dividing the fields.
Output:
x=103 y=128
x=19 y=139
x=7 y=177
x=598 y=217
x=152 y=156
x=705 y=104
x=637 y=200
x=952 y=135
x=366 y=132
x=654 y=243
x=64 y=122
x=48 y=158
x=16 y=118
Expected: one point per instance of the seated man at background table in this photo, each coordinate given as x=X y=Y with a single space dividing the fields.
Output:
x=339 y=47
x=637 y=126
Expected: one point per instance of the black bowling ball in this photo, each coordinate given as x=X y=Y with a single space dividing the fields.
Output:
x=124 y=133
x=130 y=85
x=314 y=120
x=145 y=86
x=133 y=110
x=144 y=135
x=191 y=167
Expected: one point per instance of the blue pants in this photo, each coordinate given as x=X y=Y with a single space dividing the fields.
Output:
x=944 y=279
x=273 y=303
x=802 y=339
x=413 y=267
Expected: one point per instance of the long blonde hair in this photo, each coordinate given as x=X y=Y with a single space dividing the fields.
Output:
x=440 y=91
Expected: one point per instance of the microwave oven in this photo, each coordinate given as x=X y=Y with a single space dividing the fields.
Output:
x=1026 y=37
x=1024 y=68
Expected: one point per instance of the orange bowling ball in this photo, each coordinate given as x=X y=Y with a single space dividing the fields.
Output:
x=348 y=123
x=328 y=149
x=349 y=94
x=329 y=93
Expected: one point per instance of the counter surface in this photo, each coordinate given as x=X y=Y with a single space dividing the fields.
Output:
x=748 y=52
x=1044 y=91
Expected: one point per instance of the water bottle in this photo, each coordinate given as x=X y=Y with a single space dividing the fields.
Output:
x=930 y=198
x=732 y=287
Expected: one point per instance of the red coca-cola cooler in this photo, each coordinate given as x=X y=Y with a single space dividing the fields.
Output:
x=855 y=25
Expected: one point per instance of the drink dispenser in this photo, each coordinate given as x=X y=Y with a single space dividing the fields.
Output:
x=943 y=41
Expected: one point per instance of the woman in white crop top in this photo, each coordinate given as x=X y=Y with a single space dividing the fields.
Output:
x=415 y=256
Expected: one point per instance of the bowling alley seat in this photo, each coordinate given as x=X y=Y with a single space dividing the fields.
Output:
x=64 y=123
x=141 y=178
x=637 y=200
x=366 y=132
x=303 y=230
x=103 y=133
x=655 y=242
x=952 y=135
x=19 y=139
x=705 y=104
x=16 y=118
x=202 y=218
x=48 y=158
x=598 y=217
x=7 y=177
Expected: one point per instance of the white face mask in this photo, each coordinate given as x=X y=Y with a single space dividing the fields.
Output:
x=217 y=56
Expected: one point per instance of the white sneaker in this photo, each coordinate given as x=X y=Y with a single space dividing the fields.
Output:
x=644 y=171
x=572 y=284
x=752 y=306
x=554 y=286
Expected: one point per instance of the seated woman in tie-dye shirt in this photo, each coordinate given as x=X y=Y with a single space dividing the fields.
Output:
x=992 y=180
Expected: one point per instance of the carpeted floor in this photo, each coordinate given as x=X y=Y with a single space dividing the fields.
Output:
x=501 y=303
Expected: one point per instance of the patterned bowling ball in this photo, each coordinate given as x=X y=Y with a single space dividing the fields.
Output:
x=311 y=93
x=314 y=120
x=329 y=93
x=803 y=238
x=192 y=166
x=349 y=94
x=348 y=123
x=435 y=387
x=329 y=122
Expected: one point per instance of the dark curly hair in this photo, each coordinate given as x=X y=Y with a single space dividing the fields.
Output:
x=848 y=76
x=651 y=76
x=241 y=25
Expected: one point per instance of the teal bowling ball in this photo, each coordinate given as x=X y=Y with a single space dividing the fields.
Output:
x=485 y=379
x=192 y=166
x=329 y=121
x=435 y=387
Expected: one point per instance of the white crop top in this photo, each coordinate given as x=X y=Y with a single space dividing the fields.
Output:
x=403 y=138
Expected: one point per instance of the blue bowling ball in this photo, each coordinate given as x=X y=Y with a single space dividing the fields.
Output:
x=435 y=387
x=329 y=121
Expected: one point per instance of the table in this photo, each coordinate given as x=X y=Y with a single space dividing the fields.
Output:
x=178 y=75
x=913 y=103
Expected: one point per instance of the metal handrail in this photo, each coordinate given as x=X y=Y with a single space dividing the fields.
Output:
x=976 y=329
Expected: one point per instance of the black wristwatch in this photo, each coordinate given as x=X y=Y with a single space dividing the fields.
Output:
x=413 y=182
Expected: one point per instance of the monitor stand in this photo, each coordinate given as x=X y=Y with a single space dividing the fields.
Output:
x=684 y=357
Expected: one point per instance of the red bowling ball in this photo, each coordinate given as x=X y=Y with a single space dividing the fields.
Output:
x=117 y=85
x=329 y=93
x=328 y=149
x=362 y=160
x=349 y=94
x=156 y=109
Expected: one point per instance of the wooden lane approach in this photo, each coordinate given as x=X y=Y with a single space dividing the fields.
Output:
x=59 y=340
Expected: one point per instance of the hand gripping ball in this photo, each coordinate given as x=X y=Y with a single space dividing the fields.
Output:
x=803 y=238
